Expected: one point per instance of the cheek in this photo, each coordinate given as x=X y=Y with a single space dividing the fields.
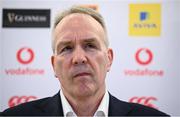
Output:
x=60 y=66
x=101 y=64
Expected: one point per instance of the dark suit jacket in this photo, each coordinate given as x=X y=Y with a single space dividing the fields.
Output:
x=52 y=106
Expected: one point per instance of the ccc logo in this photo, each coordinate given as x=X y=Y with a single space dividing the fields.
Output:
x=147 y=101
x=16 y=100
x=144 y=56
x=25 y=55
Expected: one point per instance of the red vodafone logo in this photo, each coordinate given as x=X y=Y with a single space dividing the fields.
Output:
x=147 y=101
x=25 y=55
x=16 y=100
x=143 y=56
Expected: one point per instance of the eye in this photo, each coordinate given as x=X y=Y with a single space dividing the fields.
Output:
x=66 y=49
x=90 y=45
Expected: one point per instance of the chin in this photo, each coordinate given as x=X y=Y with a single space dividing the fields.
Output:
x=84 y=91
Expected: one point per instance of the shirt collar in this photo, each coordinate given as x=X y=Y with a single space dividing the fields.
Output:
x=101 y=111
x=67 y=109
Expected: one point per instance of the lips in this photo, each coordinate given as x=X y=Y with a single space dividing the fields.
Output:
x=82 y=74
x=81 y=71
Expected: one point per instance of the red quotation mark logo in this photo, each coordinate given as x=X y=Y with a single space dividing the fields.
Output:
x=28 y=55
x=144 y=56
x=16 y=100
x=147 y=101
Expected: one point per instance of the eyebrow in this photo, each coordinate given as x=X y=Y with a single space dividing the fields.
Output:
x=68 y=42
x=90 y=40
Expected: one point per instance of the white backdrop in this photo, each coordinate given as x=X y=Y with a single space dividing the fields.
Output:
x=123 y=81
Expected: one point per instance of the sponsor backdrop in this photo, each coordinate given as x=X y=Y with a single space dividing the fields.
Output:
x=144 y=35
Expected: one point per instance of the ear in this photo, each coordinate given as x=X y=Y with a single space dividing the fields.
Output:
x=53 y=64
x=110 y=58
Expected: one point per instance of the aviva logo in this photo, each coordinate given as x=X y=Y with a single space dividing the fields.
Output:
x=144 y=16
x=145 y=20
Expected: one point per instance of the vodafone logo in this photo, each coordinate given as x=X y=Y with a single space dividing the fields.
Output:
x=25 y=55
x=143 y=56
x=147 y=101
x=16 y=100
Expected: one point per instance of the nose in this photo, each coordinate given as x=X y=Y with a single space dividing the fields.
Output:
x=79 y=56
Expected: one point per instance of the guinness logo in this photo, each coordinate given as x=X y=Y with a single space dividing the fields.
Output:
x=26 y=18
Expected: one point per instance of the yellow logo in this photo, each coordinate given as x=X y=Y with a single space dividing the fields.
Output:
x=145 y=20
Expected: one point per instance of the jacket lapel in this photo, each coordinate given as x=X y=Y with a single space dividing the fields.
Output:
x=117 y=107
x=53 y=106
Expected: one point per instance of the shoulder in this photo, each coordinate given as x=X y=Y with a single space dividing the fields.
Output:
x=131 y=109
x=45 y=106
x=138 y=109
x=29 y=108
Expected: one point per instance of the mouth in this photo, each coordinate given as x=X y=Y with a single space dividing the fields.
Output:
x=83 y=74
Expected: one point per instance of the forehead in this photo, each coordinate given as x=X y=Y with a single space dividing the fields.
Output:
x=79 y=25
x=76 y=20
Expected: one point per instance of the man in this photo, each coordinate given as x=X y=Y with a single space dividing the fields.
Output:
x=80 y=61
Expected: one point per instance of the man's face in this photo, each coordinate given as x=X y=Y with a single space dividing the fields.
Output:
x=81 y=59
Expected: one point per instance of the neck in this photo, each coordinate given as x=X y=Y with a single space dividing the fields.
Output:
x=85 y=106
